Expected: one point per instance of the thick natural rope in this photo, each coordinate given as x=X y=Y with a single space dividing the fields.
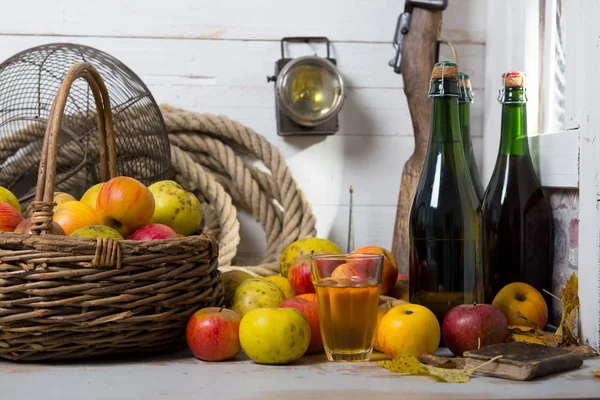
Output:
x=206 y=142
x=193 y=177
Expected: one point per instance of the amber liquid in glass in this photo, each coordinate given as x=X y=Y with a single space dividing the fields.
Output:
x=348 y=319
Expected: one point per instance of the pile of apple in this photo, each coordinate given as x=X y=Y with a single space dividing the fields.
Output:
x=121 y=208
x=275 y=320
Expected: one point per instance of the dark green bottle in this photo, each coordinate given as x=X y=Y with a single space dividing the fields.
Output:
x=444 y=224
x=518 y=228
x=464 y=108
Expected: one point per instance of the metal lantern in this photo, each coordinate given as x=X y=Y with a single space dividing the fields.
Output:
x=309 y=92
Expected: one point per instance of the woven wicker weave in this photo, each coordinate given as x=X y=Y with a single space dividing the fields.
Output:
x=64 y=297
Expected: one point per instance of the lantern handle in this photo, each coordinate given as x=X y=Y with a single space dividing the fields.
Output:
x=305 y=39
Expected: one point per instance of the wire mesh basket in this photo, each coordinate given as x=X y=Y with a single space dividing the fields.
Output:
x=29 y=82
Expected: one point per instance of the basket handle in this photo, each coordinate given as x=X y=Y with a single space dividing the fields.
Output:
x=41 y=218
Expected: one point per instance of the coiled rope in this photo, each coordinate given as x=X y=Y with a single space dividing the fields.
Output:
x=209 y=154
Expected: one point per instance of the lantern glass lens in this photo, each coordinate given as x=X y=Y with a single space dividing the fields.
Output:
x=310 y=91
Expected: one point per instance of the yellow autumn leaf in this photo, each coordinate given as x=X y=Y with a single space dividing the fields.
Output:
x=404 y=365
x=450 y=375
x=570 y=304
x=442 y=362
x=597 y=373
x=410 y=365
x=515 y=337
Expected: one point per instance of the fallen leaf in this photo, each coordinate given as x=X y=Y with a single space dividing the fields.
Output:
x=525 y=319
x=515 y=337
x=583 y=351
x=410 y=365
x=442 y=362
x=521 y=329
x=404 y=365
x=570 y=305
x=551 y=339
x=597 y=373
x=528 y=334
x=450 y=375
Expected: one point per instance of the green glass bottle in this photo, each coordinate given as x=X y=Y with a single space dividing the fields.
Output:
x=444 y=224
x=518 y=227
x=464 y=108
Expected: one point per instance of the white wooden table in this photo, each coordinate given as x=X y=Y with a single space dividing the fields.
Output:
x=181 y=376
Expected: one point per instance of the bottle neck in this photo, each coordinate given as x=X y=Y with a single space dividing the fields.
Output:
x=464 y=110
x=445 y=125
x=513 y=140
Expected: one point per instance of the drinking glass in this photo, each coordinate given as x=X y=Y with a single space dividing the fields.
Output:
x=347 y=287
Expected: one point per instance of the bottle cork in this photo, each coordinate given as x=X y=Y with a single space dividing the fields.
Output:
x=514 y=79
x=445 y=70
x=464 y=80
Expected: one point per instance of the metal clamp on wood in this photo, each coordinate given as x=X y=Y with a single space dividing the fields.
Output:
x=403 y=25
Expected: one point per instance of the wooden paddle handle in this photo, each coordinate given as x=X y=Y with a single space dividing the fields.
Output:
x=419 y=54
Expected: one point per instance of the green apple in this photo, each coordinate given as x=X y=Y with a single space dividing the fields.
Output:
x=95 y=231
x=175 y=207
x=8 y=197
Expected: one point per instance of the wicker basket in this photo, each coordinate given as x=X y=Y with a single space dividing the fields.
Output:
x=66 y=297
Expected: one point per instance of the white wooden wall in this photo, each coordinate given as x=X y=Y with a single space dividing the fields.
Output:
x=214 y=56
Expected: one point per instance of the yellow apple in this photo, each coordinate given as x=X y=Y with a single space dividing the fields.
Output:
x=386 y=303
x=61 y=198
x=73 y=215
x=274 y=335
x=8 y=197
x=283 y=284
x=89 y=197
x=175 y=207
x=408 y=330
x=519 y=297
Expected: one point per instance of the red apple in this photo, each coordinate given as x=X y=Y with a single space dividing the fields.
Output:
x=212 y=334
x=153 y=232
x=124 y=204
x=469 y=326
x=300 y=277
x=311 y=311
x=390 y=267
x=402 y=277
x=25 y=227
x=349 y=270
x=10 y=217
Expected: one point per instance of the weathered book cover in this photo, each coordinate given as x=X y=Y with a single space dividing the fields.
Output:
x=521 y=361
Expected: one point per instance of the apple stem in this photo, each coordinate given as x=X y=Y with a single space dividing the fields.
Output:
x=478 y=342
x=221 y=309
x=556 y=297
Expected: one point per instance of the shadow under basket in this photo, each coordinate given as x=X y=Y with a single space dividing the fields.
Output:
x=66 y=297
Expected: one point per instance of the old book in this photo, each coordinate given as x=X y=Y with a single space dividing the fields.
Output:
x=521 y=361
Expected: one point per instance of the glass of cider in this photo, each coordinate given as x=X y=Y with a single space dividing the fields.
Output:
x=347 y=287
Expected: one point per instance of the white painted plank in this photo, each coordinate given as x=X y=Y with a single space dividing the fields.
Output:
x=180 y=376
x=367 y=111
x=236 y=63
x=361 y=20
x=511 y=44
x=582 y=111
x=556 y=158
